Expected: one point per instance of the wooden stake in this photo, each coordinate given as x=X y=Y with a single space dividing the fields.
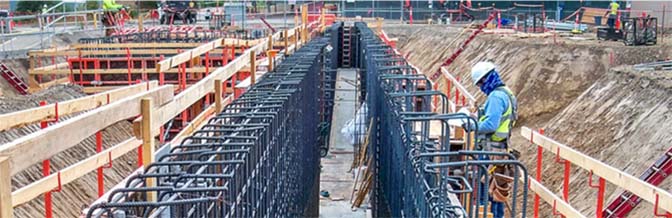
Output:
x=147 y=143
x=270 y=42
x=6 y=210
x=253 y=67
x=285 y=34
x=296 y=39
x=95 y=19
x=270 y=57
x=304 y=23
x=140 y=28
x=218 y=96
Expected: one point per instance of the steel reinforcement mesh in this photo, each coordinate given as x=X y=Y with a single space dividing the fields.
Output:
x=259 y=157
x=419 y=171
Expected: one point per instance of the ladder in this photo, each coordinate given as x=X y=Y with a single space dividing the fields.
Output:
x=627 y=201
x=14 y=80
x=459 y=51
x=346 y=46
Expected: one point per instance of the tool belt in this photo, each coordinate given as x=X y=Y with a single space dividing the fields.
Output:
x=501 y=176
x=501 y=183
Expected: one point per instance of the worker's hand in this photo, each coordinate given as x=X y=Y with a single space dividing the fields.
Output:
x=469 y=126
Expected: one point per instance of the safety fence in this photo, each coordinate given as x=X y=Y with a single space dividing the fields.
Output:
x=565 y=155
x=420 y=169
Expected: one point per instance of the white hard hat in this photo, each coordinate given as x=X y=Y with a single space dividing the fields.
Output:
x=480 y=69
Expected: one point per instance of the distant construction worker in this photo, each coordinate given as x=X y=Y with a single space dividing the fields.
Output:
x=111 y=5
x=494 y=131
x=111 y=8
x=613 y=14
x=45 y=9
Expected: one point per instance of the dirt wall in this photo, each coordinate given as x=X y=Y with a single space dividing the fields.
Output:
x=565 y=86
x=623 y=120
x=83 y=191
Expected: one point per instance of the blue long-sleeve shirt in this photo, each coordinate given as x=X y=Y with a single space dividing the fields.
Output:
x=495 y=106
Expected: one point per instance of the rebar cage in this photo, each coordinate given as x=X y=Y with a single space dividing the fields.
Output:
x=420 y=172
x=259 y=157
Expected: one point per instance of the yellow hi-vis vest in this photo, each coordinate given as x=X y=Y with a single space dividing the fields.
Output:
x=614 y=8
x=507 y=120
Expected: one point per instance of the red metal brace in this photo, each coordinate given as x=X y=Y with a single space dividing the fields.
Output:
x=655 y=210
x=555 y=213
x=60 y=186
x=540 y=152
x=557 y=157
x=109 y=160
x=565 y=182
x=161 y=76
x=457 y=93
x=600 y=193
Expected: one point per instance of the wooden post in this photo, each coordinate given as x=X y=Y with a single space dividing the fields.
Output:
x=304 y=23
x=296 y=39
x=286 y=42
x=95 y=21
x=6 y=210
x=140 y=28
x=270 y=42
x=218 y=96
x=253 y=67
x=147 y=143
x=271 y=56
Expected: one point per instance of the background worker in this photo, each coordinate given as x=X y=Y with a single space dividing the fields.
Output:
x=495 y=122
x=613 y=14
x=111 y=8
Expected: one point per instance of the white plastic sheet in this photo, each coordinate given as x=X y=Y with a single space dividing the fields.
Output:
x=355 y=129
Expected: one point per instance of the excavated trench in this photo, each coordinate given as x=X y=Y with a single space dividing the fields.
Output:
x=574 y=89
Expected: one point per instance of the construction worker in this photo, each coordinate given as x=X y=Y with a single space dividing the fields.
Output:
x=613 y=14
x=494 y=130
x=111 y=5
x=45 y=9
x=111 y=8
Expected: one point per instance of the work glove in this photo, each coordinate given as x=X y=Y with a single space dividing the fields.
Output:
x=469 y=126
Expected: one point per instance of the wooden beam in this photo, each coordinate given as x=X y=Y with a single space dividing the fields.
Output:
x=246 y=83
x=458 y=85
x=6 y=209
x=185 y=56
x=98 y=89
x=188 y=55
x=73 y=172
x=218 y=95
x=43 y=144
x=116 y=71
x=145 y=51
x=48 y=50
x=195 y=92
x=271 y=57
x=619 y=178
x=253 y=67
x=199 y=121
x=64 y=65
x=286 y=36
x=64 y=80
x=139 y=45
x=148 y=149
x=36 y=114
x=560 y=205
